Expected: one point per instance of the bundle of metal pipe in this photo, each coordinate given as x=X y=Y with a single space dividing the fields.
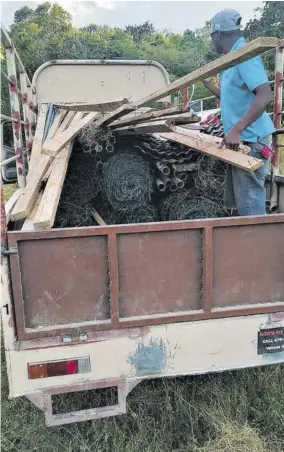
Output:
x=126 y=178
x=96 y=140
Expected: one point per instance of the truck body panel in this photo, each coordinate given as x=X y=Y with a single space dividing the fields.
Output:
x=98 y=80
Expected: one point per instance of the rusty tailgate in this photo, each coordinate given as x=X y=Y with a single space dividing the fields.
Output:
x=102 y=278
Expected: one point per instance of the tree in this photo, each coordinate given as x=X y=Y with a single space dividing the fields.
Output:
x=22 y=15
x=270 y=22
x=140 y=32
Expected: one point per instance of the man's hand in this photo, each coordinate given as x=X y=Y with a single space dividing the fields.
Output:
x=232 y=139
x=208 y=80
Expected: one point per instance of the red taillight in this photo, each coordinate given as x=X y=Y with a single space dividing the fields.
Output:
x=57 y=368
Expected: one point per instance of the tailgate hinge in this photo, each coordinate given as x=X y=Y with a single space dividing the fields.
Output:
x=9 y=251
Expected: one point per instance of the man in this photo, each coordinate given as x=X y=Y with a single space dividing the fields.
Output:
x=244 y=96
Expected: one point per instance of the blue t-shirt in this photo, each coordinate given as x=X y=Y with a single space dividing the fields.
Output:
x=237 y=86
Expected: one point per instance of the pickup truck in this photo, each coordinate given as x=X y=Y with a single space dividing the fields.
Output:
x=110 y=306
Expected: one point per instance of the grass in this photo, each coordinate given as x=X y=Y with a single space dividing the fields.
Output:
x=8 y=190
x=239 y=411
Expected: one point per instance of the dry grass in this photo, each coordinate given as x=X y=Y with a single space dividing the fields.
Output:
x=231 y=412
x=8 y=190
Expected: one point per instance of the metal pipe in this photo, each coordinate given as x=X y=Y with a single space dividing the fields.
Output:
x=98 y=148
x=182 y=176
x=8 y=43
x=165 y=169
x=178 y=182
x=5 y=162
x=109 y=148
x=11 y=82
x=16 y=114
x=9 y=118
x=277 y=112
x=160 y=185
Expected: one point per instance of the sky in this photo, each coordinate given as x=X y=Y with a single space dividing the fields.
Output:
x=174 y=16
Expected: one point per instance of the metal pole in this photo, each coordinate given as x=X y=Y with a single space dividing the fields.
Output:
x=185 y=95
x=9 y=119
x=32 y=106
x=16 y=114
x=5 y=162
x=219 y=86
x=26 y=111
x=278 y=104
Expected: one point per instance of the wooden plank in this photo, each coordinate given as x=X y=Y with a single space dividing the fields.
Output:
x=184 y=120
x=11 y=202
x=66 y=122
x=234 y=158
x=85 y=106
x=147 y=127
x=56 y=124
x=48 y=172
x=96 y=215
x=45 y=214
x=150 y=115
x=30 y=193
x=211 y=139
x=118 y=113
x=37 y=142
x=250 y=50
x=28 y=224
x=52 y=147
x=71 y=118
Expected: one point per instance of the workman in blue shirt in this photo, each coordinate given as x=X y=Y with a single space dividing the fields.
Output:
x=244 y=94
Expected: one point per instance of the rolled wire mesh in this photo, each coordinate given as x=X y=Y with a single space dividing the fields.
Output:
x=188 y=205
x=126 y=179
x=81 y=185
x=146 y=213
x=209 y=178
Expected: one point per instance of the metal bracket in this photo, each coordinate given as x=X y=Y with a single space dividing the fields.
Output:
x=43 y=401
x=9 y=251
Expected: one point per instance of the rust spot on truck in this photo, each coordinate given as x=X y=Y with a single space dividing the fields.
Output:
x=149 y=359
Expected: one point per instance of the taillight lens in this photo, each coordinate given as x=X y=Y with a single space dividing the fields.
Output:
x=57 y=368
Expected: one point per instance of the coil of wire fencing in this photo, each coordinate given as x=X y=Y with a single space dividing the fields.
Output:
x=126 y=178
x=188 y=205
x=146 y=213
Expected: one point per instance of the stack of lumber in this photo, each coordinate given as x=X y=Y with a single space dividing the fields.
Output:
x=51 y=151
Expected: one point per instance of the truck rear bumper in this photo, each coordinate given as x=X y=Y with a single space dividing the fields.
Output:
x=175 y=349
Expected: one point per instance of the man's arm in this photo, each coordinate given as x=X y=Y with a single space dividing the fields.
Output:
x=208 y=83
x=253 y=74
x=263 y=97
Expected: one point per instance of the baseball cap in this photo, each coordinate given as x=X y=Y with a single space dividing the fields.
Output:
x=226 y=20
